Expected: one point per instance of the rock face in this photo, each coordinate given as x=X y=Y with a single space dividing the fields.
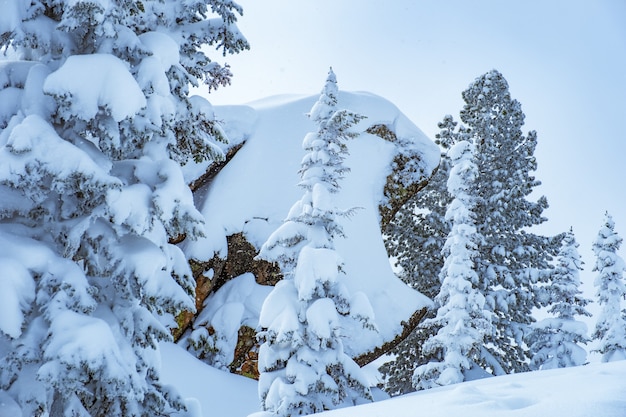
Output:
x=211 y=275
x=250 y=195
x=406 y=179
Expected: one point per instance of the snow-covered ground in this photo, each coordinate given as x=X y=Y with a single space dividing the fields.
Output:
x=597 y=390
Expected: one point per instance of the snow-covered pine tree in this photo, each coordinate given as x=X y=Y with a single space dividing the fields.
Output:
x=303 y=368
x=555 y=341
x=512 y=259
x=610 y=329
x=415 y=239
x=461 y=320
x=421 y=223
x=95 y=121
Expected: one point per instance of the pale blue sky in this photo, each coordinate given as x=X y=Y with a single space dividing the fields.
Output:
x=565 y=61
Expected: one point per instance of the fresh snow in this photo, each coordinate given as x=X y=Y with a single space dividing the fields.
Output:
x=108 y=84
x=215 y=392
x=17 y=294
x=592 y=390
x=237 y=303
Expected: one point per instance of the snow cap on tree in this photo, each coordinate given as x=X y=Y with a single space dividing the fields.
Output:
x=326 y=105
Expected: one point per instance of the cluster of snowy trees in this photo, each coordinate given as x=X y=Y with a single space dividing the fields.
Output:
x=96 y=125
x=467 y=242
x=96 y=121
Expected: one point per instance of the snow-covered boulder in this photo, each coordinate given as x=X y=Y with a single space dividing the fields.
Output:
x=252 y=194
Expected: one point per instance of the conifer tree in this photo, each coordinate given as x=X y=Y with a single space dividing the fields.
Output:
x=98 y=123
x=513 y=263
x=415 y=238
x=555 y=341
x=461 y=320
x=610 y=329
x=303 y=368
x=512 y=260
x=421 y=223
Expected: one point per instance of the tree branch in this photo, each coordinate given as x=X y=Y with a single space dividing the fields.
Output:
x=408 y=328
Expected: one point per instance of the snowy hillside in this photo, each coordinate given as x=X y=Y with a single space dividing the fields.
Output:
x=254 y=191
x=592 y=390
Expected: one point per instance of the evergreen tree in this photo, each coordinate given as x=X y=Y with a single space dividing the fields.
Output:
x=555 y=342
x=513 y=264
x=415 y=238
x=303 y=368
x=421 y=223
x=512 y=260
x=98 y=124
x=610 y=330
x=461 y=320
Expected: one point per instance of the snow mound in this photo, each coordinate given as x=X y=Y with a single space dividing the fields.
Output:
x=255 y=190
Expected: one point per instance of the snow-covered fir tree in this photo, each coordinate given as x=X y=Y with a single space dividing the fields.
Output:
x=303 y=368
x=461 y=320
x=415 y=239
x=512 y=259
x=95 y=122
x=512 y=262
x=610 y=329
x=555 y=342
x=421 y=223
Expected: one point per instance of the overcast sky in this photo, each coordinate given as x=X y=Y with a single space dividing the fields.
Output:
x=565 y=61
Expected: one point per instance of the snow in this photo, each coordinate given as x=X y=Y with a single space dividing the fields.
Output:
x=315 y=265
x=8 y=406
x=591 y=390
x=163 y=47
x=322 y=318
x=108 y=84
x=217 y=393
x=255 y=190
x=17 y=294
x=235 y=304
x=76 y=339
x=281 y=317
x=10 y=17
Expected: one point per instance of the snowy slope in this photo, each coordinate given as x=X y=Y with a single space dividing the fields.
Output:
x=256 y=189
x=592 y=390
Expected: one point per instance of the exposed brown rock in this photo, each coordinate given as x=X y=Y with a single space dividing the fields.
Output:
x=246 y=354
x=240 y=260
x=215 y=168
x=383 y=132
x=204 y=286
x=396 y=192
